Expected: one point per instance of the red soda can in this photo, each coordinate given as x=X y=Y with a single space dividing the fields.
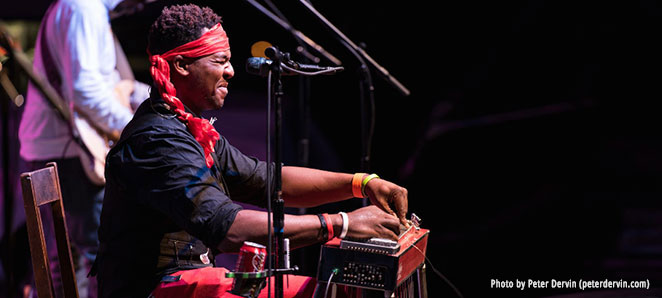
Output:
x=252 y=257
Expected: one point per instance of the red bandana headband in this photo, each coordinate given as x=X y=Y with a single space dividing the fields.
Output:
x=213 y=41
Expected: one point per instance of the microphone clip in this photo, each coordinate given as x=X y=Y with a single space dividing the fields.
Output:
x=280 y=59
x=281 y=64
x=276 y=56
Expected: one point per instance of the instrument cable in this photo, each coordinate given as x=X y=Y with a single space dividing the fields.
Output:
x=328 y=283
x=455 y=289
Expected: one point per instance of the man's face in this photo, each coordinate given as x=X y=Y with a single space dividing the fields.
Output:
x=207 y=82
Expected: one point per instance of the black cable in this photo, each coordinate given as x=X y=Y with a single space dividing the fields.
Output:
x=455 y=289
x=367 y=131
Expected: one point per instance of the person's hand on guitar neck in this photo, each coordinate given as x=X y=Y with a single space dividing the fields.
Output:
x=123 y=90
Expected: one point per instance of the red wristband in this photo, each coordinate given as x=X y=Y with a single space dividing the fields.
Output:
x=329 y=226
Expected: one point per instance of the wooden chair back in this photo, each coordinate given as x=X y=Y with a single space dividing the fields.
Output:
x=42 y=187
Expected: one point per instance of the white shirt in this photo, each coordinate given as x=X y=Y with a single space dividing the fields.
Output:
x=81 y=44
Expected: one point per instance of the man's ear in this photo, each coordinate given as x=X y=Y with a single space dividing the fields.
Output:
x=180 y=65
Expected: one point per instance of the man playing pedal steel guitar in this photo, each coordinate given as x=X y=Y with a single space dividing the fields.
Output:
x=172 y=179
x=76 y=54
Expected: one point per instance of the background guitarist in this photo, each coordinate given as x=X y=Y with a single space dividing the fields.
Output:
x=77 y=52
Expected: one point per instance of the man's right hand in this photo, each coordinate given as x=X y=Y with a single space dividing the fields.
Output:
x=370 y=221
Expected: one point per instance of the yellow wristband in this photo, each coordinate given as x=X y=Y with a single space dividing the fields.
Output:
x=356 y=185
x=365 y=182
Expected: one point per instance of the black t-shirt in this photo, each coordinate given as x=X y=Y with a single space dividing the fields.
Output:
x=157 y=183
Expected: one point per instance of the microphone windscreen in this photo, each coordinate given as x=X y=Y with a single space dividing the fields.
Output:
x=257 y=49
x=258 y=66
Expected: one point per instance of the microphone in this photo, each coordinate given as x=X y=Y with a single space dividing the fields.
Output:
x=261 y=66
x=274 y=54
x=265 y=49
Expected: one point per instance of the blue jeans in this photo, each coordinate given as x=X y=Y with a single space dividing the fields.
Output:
x=82 y=204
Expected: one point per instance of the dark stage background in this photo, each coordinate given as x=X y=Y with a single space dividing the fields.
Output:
x=530 y=142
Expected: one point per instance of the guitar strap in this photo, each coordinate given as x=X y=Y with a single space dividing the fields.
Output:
x=52 y=74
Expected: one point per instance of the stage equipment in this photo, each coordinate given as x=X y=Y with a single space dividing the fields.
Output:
x=376 y=267
x=279 y=63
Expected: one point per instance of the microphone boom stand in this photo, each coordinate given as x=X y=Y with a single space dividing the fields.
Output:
x=304 y=82
x=366 y=84
x=298 y=35
x=358 y=50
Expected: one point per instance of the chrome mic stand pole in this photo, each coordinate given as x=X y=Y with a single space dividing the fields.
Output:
x=279 y=203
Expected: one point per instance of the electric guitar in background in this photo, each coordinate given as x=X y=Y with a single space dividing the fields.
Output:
x=93 y=140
